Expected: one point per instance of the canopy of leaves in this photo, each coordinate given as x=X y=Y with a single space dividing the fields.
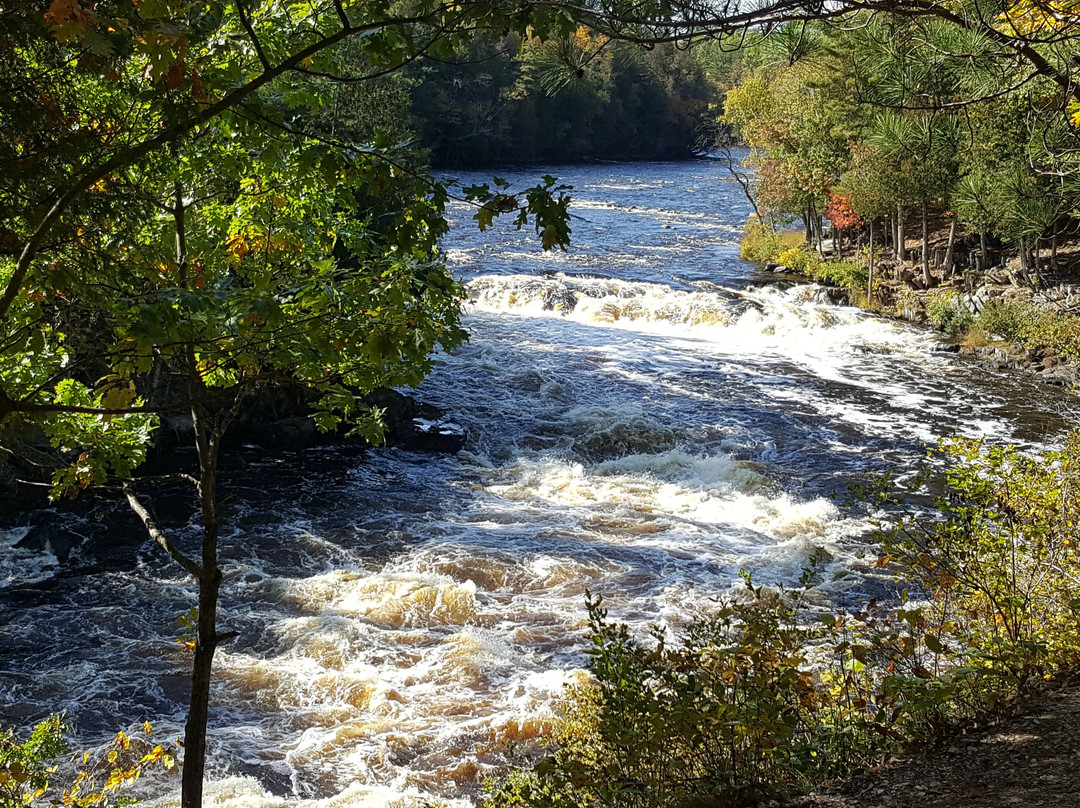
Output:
x=187 y=214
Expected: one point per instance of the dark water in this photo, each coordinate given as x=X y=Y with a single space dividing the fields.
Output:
x=646 y=418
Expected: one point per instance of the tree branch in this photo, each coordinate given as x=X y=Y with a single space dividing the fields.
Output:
x=165 y=136
x=159 y=536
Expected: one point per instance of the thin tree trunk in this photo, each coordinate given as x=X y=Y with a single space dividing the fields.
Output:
x=982 y=247
x=1054 y=251
x=206 y=442
x=928 y=279
x=738 y=176
x=870 y=271
x=209 y=577
x=901 y=246
x=949 y=266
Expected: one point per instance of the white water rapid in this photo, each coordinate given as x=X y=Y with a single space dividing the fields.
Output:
x=646 y=418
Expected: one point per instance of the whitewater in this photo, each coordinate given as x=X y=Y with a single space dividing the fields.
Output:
x=648 y=415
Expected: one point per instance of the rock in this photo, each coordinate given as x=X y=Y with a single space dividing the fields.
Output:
x=1060 y=376
x=441 y=435
x=831 y=295
x=52 y=538
x=771 y=266
x=530 y=382
x=416 y=426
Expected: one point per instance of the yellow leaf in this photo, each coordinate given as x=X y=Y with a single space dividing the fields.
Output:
x=147 y=728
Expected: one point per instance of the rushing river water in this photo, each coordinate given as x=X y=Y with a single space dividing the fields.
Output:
x=647 y=416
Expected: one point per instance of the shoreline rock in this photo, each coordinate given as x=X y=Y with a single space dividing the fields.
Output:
x=909 y=304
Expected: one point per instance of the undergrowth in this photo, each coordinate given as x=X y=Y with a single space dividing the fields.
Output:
x=1036 y=328
x=760 y=243
x=765 y=697
x=946 y=310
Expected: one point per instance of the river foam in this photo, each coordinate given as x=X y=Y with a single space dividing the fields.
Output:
x=645 y=422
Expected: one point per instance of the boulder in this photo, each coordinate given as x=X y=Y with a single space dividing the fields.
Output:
x=416 y=426
x=49 y=536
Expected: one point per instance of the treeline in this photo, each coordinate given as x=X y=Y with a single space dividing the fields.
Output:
x=893 y=128
x=568 y=98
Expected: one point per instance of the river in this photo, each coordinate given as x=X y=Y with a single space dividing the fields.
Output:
x=647 y=415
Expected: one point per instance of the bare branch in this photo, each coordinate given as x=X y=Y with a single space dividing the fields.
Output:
x=159 y=536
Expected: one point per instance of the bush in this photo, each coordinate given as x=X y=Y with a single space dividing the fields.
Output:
x=759 y=242
x=799 y=259
x=1036 y=328
x=1003 y=558
x=764 y=698
x=848 y=275
x=26 y=773
x=24 y=765
x=947 y=312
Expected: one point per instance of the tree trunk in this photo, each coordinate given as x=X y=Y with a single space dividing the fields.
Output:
x=1025 y=260
x=870 y=271
x=1054 y=251
x=948 y=266
x=206 y=442
x=982 y=248
x=928 y=279
x=209 y=577
x=901 y=247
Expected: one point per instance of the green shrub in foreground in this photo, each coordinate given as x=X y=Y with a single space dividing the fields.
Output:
x=27 y=770
x=763 y=698
x=24 y=765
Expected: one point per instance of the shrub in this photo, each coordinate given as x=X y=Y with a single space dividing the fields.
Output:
x=26 y=773
x=946 y=311
x=800 y=259
x=1034 y=327
x=24 y=765
x=760 y=242
x=763 y=698
x=1003 y=557
x=719 y=719
x=848 y=275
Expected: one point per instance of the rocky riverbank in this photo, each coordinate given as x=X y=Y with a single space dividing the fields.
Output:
x=956 y=308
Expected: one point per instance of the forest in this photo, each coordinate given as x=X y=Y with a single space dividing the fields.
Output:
x=209 y=211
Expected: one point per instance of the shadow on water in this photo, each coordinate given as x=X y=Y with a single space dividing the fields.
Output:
x=648 y=467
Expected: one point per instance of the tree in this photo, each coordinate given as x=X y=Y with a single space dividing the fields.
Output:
x=180 y=231
x=796 y=113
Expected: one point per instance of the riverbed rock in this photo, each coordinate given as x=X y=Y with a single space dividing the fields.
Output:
x=831 y=295
x=416 y=426
x=50 y=536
